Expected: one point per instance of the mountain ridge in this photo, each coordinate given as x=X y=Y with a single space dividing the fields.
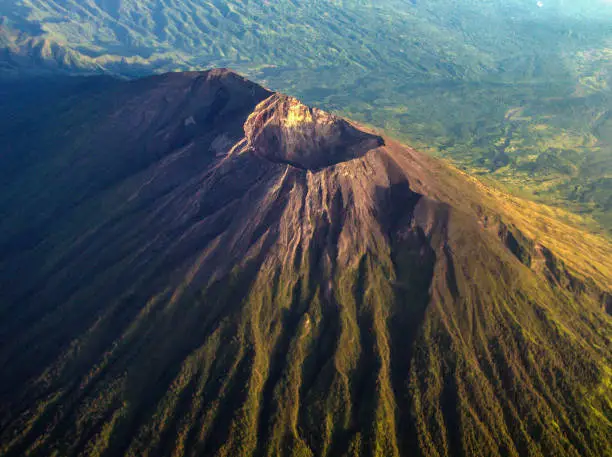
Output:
x=169 y=290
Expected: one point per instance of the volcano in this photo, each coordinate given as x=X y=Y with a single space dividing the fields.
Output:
x=191 y=264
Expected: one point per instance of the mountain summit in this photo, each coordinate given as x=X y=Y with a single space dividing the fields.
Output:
x=284 y=130
x=191 y=264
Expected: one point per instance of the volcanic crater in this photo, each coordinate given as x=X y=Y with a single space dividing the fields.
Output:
x=283 y=130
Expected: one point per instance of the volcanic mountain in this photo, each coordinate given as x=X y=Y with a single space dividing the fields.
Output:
x=191 y=264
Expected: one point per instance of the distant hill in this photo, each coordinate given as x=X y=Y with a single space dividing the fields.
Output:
x=191 y=264
x=424 y=40
x=433 y=39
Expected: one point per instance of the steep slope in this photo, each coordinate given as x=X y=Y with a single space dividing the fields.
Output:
x=193 y=265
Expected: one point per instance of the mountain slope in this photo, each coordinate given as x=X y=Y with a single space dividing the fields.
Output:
x=193 y=265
